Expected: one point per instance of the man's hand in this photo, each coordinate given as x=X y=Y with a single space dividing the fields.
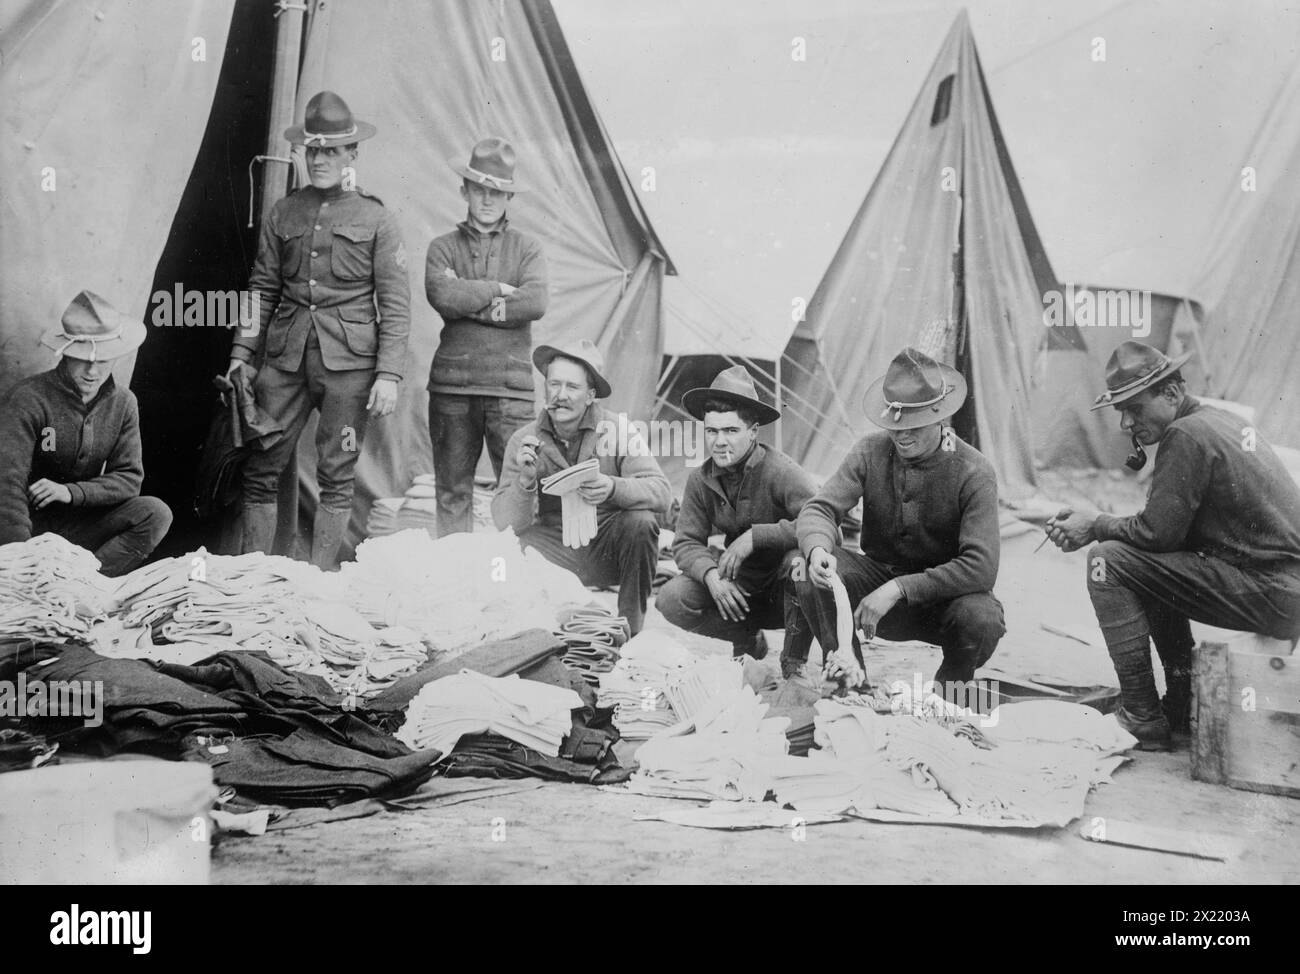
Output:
x=238 y=364
x=597 y=491
x=821 y=567
x=876 y=606
x=448 y=272
x=735 y=555
x=527 y=460
x=1070 y=531
x=46 y=492
x=383 y=397
x=506 y=289
x=729 y=597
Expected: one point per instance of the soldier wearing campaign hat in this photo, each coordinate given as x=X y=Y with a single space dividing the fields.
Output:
x=488 y=282
x=334 y=301
x=930 y=537
x=70 y=456
x=750 y=494
x=628 y=490
x=1218 y=540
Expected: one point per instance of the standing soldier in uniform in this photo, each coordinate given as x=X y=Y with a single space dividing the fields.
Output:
x=334 y=302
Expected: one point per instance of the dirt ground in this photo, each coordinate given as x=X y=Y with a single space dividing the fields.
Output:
x=579 y=834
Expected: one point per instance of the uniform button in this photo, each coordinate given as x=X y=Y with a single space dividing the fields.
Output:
x=315 y=253
x=311 y=283
x=312 y=308
x=324 y=205
x=318 y=226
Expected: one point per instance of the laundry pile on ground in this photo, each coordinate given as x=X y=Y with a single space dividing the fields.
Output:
x=535 y=715
x=592 y=636
x=636 y=685
x=720 y=753
x=459 y=590
x=183 y=609
x=50 y=587
x=272 y=735
x=1025 y=765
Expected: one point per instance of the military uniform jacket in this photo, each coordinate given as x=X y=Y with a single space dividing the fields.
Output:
x=332 y=260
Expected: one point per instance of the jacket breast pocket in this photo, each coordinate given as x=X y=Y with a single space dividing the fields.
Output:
x=293 y=245
x=359 y=331
x=350 y=258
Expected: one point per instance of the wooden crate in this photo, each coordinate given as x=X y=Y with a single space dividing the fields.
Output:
x=1256 y=749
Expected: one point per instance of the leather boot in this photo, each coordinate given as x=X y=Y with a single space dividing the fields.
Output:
x=259 y=527
x=326 y=536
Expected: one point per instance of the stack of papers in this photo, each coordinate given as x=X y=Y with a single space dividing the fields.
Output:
x=578 y=517
x=536 y=715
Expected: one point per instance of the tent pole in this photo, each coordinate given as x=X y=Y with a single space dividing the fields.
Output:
x=284 y=95
x=275 y=182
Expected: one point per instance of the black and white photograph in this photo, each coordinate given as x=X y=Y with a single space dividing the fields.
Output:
x=651 y=442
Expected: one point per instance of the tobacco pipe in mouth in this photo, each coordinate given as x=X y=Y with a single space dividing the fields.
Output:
x=1138 y=458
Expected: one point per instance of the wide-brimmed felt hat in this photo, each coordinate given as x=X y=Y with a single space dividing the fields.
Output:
x=734 y=386
x=1135 y=367
x=584 y=351
x=327 y=121
x=915 y=391
x=491 y=164
x=93 y=330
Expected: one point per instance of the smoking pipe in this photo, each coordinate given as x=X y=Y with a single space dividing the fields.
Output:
x=1138 y=458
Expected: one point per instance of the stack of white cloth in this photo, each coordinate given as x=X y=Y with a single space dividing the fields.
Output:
x=635 y=686
x=185 y=608
x=723 y=753
x=50 y=587
x=536 y=715
x=640 y=709
x=459 y=590
x=416 y=509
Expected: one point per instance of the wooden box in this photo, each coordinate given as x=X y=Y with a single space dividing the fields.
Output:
x=1246 y=711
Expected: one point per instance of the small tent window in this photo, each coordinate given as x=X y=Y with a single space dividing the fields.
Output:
x=942 y=102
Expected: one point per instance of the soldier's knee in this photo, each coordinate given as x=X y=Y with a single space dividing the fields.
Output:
x=1103 y=557
x=671 y=600
x=980 y=616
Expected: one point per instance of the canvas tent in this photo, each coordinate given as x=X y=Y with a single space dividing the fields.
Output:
x=1251 y=277
x=104 y=109
x=434 y=78
x=942 y=255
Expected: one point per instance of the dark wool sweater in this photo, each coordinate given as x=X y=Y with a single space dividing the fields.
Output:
x=772 y=490
x=46 y=432
x=1210 y=493
x=485 y=348
x=933 y=522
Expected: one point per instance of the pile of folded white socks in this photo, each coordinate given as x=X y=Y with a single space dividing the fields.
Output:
x=592 y=636
x=50 y=587
x=536 y=715
x=290 y=610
